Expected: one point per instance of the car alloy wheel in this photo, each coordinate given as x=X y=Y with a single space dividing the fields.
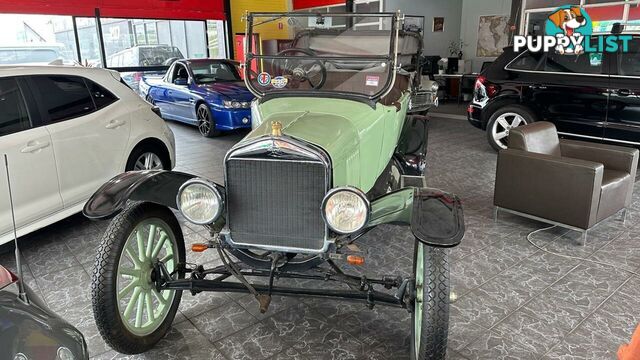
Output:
x=148 y=161
x=204 y=121
x=142 y=308
x=503 y=124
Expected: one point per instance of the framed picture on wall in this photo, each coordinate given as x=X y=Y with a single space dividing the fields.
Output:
x=493 y=35
x=438 y=24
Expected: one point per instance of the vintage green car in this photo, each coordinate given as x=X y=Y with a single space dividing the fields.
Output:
x=338 y=147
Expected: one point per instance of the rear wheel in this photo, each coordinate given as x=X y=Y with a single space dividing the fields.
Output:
x=430 y=315
x=206 y=123
x=131 y=315
x=146 y=157
x=505 y=119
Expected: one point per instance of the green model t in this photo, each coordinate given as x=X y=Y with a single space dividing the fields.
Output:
x=339 y=137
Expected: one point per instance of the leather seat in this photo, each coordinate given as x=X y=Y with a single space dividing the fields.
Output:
x=569 y=182
x=614 y=186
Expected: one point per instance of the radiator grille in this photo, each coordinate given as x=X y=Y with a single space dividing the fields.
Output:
x=276 y=203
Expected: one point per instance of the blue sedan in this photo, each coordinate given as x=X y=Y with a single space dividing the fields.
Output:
x=204 y=92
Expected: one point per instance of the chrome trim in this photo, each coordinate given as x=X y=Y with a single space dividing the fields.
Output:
x=308 y=150
x=208 y=184
x=351 y=189
x=506 y=68
x=600 y=138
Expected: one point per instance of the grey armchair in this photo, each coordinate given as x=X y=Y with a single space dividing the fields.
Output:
x=565 y=182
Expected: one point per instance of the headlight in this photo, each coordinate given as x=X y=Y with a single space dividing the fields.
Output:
x=435 y=87
x=346 y=210
x=199 y=201
x=232 y=104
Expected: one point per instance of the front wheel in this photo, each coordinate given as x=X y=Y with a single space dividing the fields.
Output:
x=430 y=315
x=206 y=123
x=131 y=315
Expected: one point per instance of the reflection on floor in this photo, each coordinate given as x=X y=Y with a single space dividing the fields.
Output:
x=451 y=110
x=512 y=301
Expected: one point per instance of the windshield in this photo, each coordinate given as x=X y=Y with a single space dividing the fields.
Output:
x=207 y=72
x=300 y=53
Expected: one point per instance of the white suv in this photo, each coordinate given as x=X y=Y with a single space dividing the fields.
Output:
x=66 y=131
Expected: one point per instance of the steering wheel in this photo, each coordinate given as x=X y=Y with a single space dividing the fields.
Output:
x=300 y=70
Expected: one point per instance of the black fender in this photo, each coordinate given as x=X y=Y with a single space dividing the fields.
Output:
x=411 y=152
x=155 y=186
x=436 y=218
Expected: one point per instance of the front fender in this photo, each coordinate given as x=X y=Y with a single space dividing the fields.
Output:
x=435 y=217
x=155 y=186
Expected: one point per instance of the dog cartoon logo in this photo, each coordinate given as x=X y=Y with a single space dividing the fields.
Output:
x=571 y=22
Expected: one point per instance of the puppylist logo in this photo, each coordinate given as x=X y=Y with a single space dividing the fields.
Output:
x=569 y=30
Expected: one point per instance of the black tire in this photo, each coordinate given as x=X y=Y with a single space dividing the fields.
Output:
x=435 y=305
x=143 y=149
x=526 y=114
x=206 y=123
x=104 y=279
x=150 y=100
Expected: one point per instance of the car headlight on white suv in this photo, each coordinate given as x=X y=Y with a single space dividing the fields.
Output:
x=346 y=210
x=200 y=201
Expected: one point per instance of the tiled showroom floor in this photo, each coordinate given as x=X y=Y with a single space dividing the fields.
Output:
x=512 y=300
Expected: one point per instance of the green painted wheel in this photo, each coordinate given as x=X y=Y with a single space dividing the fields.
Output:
x=430 y=315
x=131 y=315
x=142 y=308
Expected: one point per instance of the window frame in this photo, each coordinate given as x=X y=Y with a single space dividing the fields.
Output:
x=44 y=113
x=33 y=114
x=615 y=64
x=607 y=60
x=603 y=67
x=104 y=90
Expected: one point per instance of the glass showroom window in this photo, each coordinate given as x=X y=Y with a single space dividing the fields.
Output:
x=217 y=38
x=31 y=39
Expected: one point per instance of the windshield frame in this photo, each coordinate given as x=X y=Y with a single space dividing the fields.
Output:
x=391 y=58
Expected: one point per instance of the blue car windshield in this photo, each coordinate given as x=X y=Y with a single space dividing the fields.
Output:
x=214 y=72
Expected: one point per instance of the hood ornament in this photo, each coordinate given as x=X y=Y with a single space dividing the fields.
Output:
x=276 y=129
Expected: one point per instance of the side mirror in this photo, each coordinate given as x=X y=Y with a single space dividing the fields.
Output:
x=617 y=29
x=181 y=82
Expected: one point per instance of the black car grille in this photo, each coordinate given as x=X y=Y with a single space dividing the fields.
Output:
x=276 y=203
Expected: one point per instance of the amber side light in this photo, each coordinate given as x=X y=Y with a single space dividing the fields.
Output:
x=355 y=260
x=199 y=247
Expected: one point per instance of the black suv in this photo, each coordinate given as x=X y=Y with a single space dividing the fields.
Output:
x=591 y=96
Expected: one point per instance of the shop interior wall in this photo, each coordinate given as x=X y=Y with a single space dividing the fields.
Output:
x=435 y=43
x=471 y=12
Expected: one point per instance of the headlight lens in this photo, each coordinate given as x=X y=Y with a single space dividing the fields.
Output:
x=346 y=210
x=199 y=201
x=232 y=104
x=435 y=87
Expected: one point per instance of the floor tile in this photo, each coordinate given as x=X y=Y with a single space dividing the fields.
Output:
x=65 y=288
x=223 y=321
x=491 y=346
x=256 y=342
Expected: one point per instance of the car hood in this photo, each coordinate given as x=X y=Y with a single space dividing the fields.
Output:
x=230 y=90
x=352 y=133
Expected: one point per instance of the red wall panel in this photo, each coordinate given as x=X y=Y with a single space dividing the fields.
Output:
x=138 y=9
x=305 y=4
